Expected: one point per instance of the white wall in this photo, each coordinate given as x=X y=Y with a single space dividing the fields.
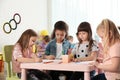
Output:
x=73 y=12
x=33 y=15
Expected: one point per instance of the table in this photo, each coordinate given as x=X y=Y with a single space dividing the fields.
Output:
x=58 y=65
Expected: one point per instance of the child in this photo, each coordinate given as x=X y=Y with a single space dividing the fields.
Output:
x=86 y=49
x=70 y=39
x=111 y=50
x=42 y=46
x=58 y=46
x=22 y=52
x=43 y=33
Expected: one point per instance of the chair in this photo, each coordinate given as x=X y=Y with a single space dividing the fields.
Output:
x=7 y=57
x=1 y=62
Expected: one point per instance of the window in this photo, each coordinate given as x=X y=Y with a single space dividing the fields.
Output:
x=73 y=12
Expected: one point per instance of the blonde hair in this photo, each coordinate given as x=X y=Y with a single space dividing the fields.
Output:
x=111 y=34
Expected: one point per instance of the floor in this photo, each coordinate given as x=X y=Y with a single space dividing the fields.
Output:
x=2 y=76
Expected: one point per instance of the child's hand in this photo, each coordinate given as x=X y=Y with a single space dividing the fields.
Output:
x=71 y=57
x=99 y=60
x=50 y=57
x=96 y=64
x=39 y=48
x=75 y=60
x=33 y=55
x=37 y=59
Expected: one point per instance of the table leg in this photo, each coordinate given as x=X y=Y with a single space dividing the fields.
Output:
x=86 y=75
x=23 y=74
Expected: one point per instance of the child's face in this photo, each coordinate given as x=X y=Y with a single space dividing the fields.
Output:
x=60 y=35
x=32 y=41
x=83 y=35
x=71 y=40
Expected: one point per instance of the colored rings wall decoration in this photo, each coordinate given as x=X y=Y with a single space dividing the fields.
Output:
x=8 y=26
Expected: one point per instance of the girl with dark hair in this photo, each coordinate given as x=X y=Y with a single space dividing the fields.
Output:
x=86 y=49
x=62 y=26
x=57 y=47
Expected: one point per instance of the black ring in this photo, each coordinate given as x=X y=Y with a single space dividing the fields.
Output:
x=9 y=27
x=15 y=24
x=16 y=14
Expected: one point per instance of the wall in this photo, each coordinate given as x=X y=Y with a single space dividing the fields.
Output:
x=33 y=15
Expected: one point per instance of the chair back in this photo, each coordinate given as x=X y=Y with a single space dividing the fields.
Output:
x=7 y=50
x=7 y=57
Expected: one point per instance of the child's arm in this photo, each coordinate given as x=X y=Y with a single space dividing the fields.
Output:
x=48 y=53
x=50 y=57
x=114 y=63
x=33 y=58
x=89 y=58
x=110 y=67
x=22 y=59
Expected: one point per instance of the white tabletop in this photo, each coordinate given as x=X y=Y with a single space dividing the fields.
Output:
x=58 y=65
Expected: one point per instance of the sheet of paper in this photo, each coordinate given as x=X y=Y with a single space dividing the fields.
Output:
x=51 y=61
x=85 y=62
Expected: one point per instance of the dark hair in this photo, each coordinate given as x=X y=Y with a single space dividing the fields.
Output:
x=25 y=37
x=85 y=26
x=119 y=28
x=60 y=25
x=69 y=37
x=46 y=38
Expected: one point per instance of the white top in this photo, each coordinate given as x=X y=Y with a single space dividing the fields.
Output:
x=59 y=50
x=82 y=50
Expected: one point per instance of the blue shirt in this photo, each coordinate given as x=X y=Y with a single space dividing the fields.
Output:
x=51 y=48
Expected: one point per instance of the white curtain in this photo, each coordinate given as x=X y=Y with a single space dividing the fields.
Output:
x=73 y=12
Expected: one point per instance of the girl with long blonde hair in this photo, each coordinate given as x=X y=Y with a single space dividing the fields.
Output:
x=111 y=51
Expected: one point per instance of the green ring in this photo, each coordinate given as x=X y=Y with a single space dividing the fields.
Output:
x=4 y=28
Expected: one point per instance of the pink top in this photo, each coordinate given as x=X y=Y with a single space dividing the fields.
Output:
x=17 y=53
x=114 y=51
x=100 y=55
